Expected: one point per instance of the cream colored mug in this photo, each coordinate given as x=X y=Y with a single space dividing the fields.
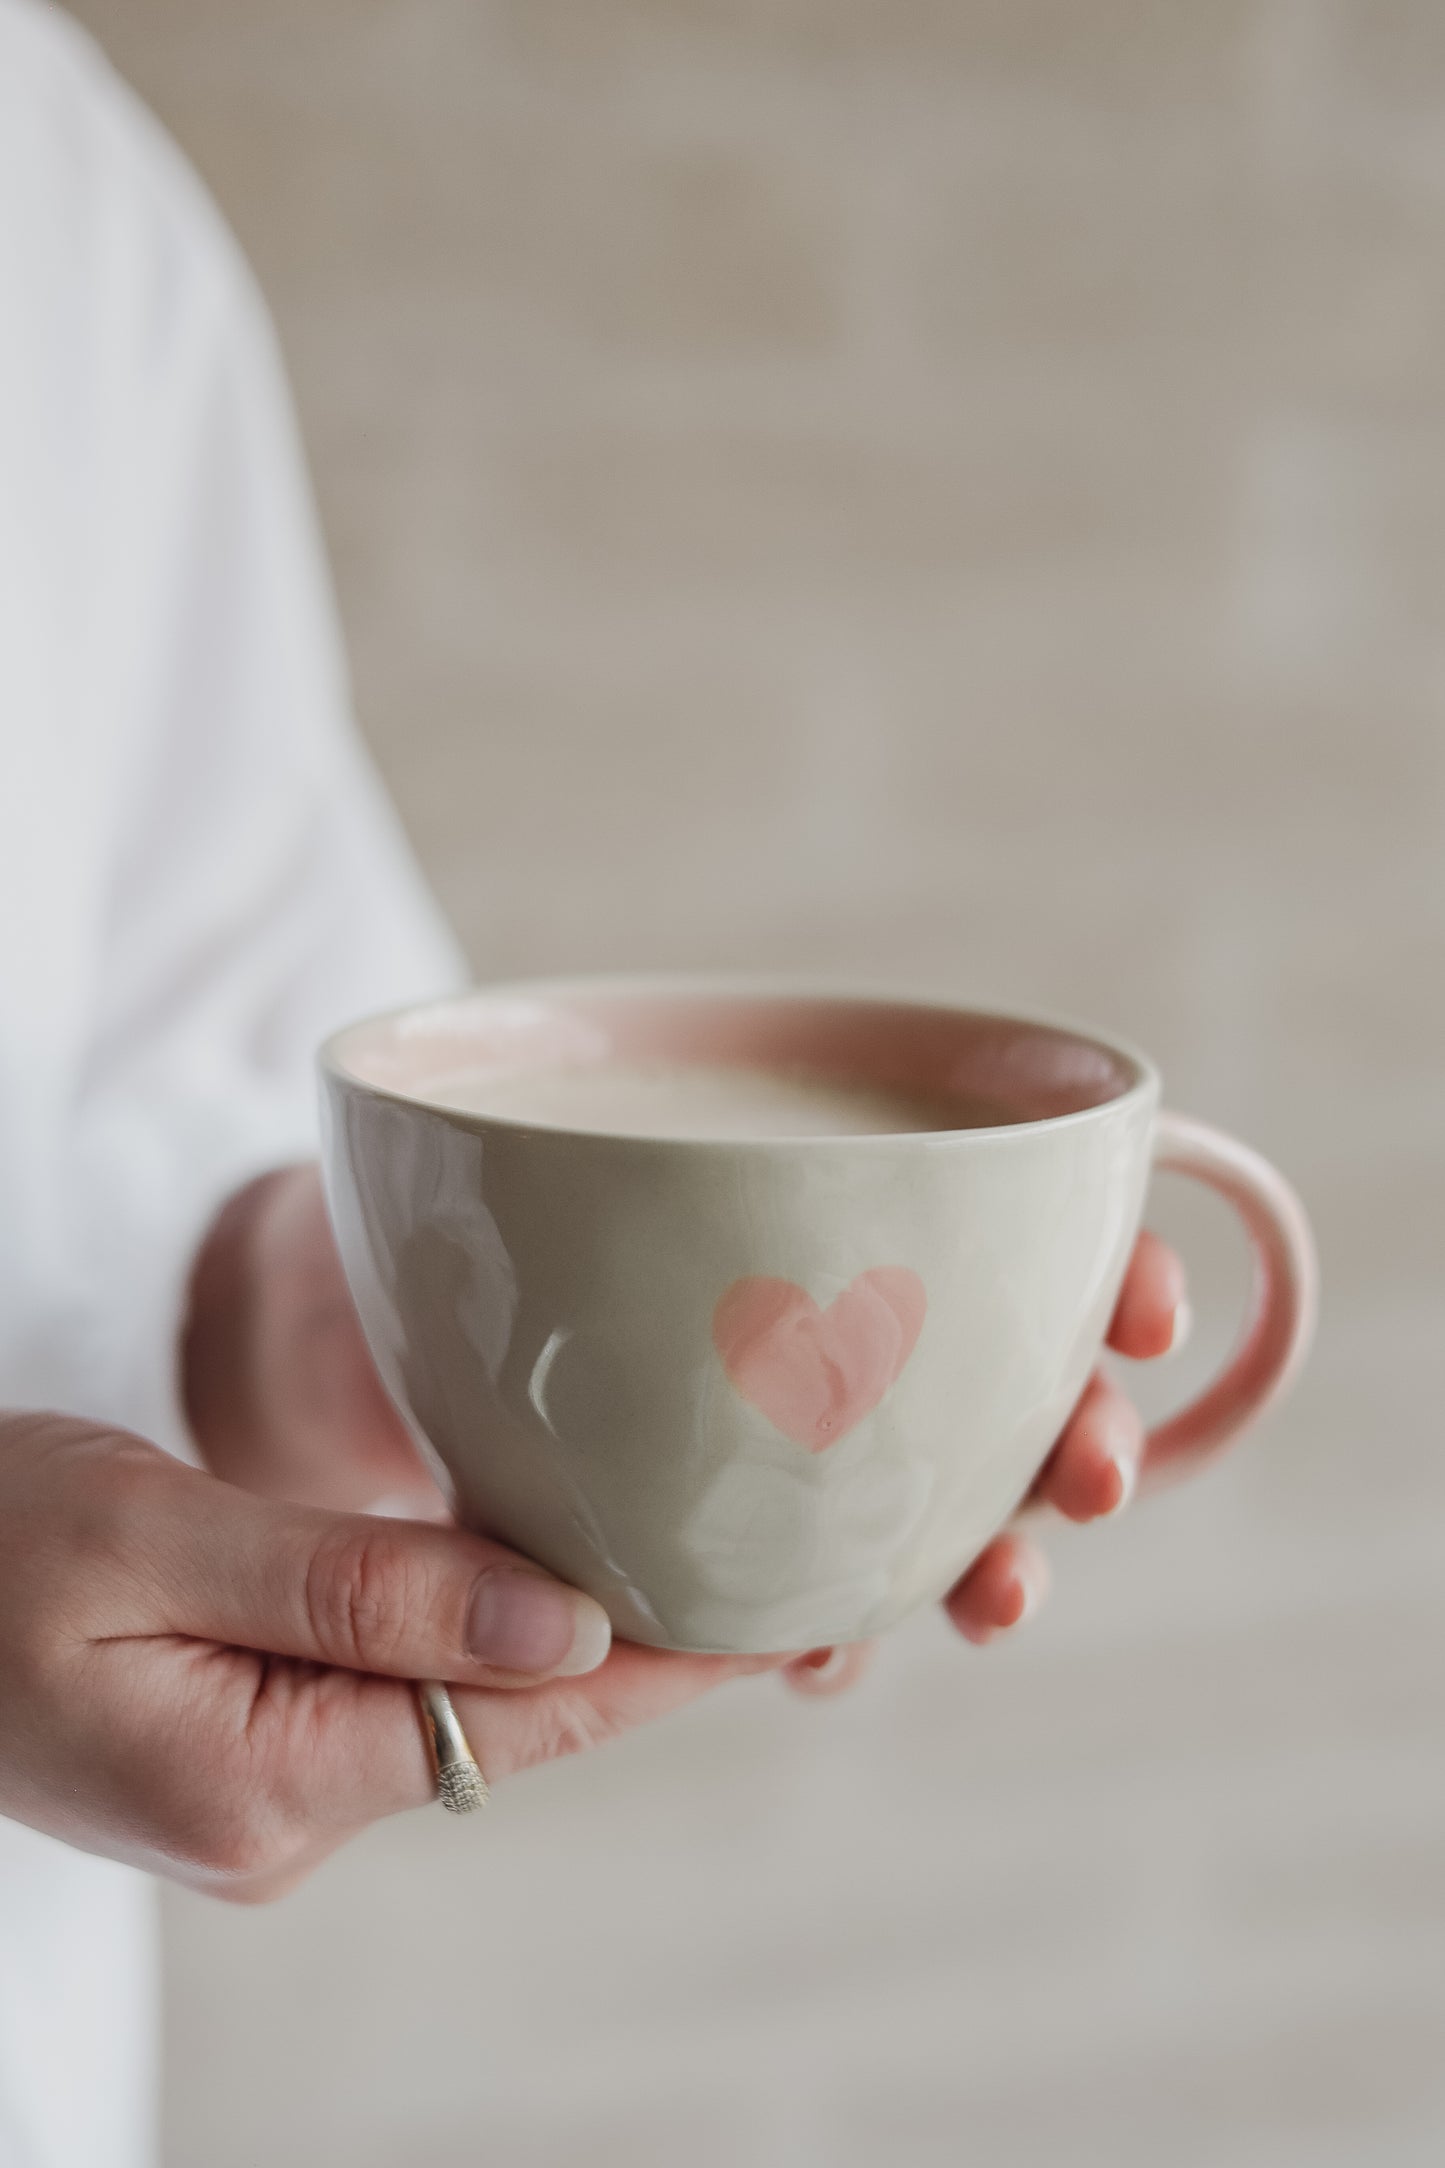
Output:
x=765 y=1393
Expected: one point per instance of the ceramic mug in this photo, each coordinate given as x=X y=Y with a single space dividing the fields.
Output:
x=761 y=1394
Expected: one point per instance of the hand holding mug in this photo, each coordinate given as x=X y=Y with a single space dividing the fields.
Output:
x=285 y=1400
x=757 y=1314
x=217 y=1687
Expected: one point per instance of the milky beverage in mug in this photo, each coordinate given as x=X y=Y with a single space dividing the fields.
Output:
x=706 y=1100
x=754 y=1311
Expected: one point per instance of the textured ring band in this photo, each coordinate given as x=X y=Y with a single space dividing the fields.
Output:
x=461 y=1787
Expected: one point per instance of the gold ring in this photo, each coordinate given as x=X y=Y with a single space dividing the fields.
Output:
x=461 y=1787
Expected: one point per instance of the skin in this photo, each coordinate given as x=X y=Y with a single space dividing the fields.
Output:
x=207 y=1673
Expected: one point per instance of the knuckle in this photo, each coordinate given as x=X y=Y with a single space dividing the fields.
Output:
x=94 y=1539
x=212 y=1817
x=216 y=1808
x=231 y=1849
x=571 y=1726
x=114 y=1503
x=238 y=1851
x=358 y=1598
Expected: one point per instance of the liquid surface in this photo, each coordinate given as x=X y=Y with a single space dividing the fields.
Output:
x=678 y=1099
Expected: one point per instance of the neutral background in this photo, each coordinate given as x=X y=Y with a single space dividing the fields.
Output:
x=954 y=491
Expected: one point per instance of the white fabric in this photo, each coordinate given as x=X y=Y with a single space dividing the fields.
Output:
x=198 y=877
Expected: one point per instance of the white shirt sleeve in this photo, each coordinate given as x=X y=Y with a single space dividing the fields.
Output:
x=198 y=877
x=260 y=891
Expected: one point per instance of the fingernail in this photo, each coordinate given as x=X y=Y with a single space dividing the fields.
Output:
x=1126 y=1466
x=1031 y=1579
x=1183 y=1326
x=408 y=1506
x=826 y=1664
x=521 y=1621
x=829 y=1670
x=1124 y=1436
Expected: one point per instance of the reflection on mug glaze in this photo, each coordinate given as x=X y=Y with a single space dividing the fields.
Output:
x=541 y=1368
x=818 y=1551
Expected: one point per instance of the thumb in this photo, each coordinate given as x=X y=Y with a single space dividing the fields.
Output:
x=395 y=1597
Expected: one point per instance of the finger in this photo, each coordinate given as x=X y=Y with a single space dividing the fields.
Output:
x=1094 y=1469
x=388 y=1596
x=510 y=1732
x=1151 y=1316
x=1002 y=1589
x=316 y=1755
x=238 y=1772
x=823 y=1672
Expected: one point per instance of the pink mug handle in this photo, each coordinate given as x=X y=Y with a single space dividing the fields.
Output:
x=1283 y=1302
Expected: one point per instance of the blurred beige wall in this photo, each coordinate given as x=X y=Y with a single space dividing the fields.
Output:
x=955 y=491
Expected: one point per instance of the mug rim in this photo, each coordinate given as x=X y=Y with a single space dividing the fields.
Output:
x=333 y=1063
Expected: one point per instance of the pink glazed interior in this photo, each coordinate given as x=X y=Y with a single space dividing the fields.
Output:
x=1023 y=1071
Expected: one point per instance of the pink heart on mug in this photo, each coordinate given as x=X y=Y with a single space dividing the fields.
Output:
x=816 y=1373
